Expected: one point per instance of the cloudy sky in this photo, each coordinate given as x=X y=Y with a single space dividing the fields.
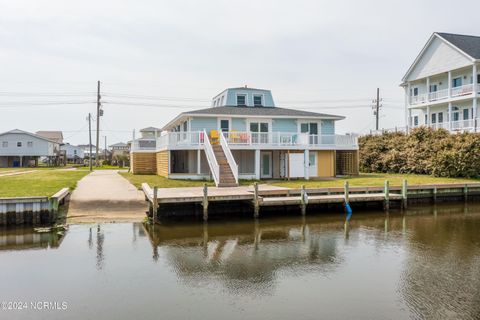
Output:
x=158 y=58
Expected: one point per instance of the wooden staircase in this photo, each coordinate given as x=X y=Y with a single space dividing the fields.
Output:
x=226 y=175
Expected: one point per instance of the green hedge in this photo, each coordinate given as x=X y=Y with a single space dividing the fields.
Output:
x=423 y=151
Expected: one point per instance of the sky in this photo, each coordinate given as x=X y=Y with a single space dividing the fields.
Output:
x=156 y=59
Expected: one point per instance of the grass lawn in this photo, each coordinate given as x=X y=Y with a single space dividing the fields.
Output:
x=161 y=182
x=370 y=180
x=103 y=167
x=365 y=179
x=39 y=183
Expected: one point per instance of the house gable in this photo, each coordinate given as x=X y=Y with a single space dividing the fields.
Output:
x=437 y=56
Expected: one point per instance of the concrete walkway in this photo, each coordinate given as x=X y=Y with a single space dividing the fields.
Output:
x=105 y=196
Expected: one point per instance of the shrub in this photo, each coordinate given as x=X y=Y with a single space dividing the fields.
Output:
x=423 y=151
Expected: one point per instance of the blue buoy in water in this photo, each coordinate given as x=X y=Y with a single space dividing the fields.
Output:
x=349 y=211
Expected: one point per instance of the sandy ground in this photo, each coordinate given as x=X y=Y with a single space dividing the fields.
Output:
x=105 y=196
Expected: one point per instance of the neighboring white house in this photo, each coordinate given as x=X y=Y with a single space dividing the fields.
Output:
x=20 y=148
x=442 y=84
x=74 y=154
x=245 y=136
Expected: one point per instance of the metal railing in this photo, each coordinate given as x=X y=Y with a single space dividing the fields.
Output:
x=230 y=159
x=211 y=159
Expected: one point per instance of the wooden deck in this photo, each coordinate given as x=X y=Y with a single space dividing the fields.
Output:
x=271 y=196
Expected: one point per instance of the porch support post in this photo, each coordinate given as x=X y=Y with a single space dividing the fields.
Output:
x=198 y=162
x=408 y=113
x=449 y=116
x=449 y=84
x=428 y=121
x=427 y=98
x=475 y=96
x=257 y=164
x=306 y=163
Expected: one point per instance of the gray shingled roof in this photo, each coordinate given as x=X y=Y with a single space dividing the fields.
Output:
x=468 y=44
x=260 y=111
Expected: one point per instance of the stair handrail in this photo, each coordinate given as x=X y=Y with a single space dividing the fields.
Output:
x=211 y=159
x=228 y=154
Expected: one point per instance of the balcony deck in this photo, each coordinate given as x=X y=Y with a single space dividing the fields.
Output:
x=440 y=96
x=255 y=140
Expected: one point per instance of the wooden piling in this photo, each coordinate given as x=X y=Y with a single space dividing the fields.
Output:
x=256 y=204
x=465 y=193
x=386 y=203
x=303 y=203
x=346 y=190
x=3 y=218
x=155 y=205
x=404 y=194
x=205 y=202
x=434 y=194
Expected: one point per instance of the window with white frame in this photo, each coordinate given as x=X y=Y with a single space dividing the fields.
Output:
x=466 y=114
x=4 y=144
x=257 y=101
x=19 y=144
x=241 y=100
x=434 y=118
x=440 y=117
x=457 y=82
x=30 y=144
x=415 y=121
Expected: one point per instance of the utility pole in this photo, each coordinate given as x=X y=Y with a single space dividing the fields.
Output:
x=105 y=148
x=99 y=114
x=90 y=139
x=376 y=108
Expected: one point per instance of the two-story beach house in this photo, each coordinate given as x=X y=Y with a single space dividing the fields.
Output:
x=20 y=148
x=442 y=84
x=245 y=136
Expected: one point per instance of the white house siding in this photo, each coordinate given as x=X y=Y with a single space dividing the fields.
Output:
x=39 y=146
x=70 y=151
x=439 y=57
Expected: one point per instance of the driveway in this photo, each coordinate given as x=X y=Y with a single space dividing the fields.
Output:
x=105 y=196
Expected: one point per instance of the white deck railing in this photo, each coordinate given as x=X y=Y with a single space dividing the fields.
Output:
x=421 y=98
x=211 y=159
x=179 y=140
x=462 y=90
x=438 y=95
x=228 y=154
x=288 y=139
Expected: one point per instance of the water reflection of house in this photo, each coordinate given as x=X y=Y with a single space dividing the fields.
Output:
x=246 y=251
x=27 y=239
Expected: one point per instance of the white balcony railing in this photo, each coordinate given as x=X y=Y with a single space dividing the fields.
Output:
x=421 y=98
x=178 y=140
x=438 y=95
x=462 y=90
x=463 y=124
x=288 y=139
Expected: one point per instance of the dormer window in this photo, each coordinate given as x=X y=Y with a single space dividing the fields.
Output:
x=241 y=100
x=257 y=101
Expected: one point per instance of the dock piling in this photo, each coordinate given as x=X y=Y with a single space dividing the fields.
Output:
x=386 y=203
x=465 y=193
x=404 y=193
x=303 y=202
x=434 y=194
x=205 y=202
x=256 y=204
x=346 y=189
x=155 y=204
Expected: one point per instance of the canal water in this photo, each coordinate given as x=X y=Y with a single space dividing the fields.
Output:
x=424 y=264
